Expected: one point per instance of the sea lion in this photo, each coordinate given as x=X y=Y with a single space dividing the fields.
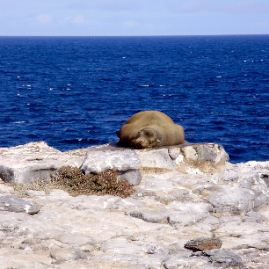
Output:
x=148 y=129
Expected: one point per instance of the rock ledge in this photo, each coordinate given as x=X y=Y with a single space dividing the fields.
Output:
x=188 y=195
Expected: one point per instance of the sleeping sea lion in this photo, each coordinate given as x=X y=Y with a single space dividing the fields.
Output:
x=148 y=129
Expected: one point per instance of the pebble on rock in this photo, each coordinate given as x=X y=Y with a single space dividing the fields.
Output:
x=200 y=244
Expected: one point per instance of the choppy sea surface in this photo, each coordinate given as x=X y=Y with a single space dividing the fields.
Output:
x=76 y=92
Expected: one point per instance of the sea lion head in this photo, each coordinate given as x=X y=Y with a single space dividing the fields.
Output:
x=146 y=138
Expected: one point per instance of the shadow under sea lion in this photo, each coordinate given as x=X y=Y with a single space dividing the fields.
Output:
x=148 y=129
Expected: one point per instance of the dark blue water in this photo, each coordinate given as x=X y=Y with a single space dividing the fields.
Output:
x=77 y=91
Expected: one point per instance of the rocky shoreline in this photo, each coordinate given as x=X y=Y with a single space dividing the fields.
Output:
x=191 y=209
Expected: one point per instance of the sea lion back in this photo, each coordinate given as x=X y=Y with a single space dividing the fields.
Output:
x=150 y=129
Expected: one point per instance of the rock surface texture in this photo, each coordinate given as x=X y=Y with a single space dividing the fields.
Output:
x=187 y=195
x=25 y=164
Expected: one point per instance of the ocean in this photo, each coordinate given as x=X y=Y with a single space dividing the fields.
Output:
x=75 y=92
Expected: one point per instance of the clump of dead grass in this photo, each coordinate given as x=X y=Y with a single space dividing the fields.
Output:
x=75 y=182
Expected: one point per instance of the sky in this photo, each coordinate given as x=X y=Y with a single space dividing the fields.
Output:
x=133 y=17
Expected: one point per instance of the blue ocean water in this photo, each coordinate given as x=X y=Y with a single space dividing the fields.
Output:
x=76 y=92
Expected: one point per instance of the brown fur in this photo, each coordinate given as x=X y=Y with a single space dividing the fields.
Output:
x=150 y=129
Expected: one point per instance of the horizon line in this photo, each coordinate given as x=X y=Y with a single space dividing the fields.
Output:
x=133 y=35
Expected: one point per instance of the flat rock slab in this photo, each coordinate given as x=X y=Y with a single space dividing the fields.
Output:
x=149 y=229
x=33 y=161
x=103 y=158
x=129 y=161
x=13 y=204
x=27 y=163
x=224 y=259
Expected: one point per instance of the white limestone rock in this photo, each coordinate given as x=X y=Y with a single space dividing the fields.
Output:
x=243 y=235
x=246 y=192
x=155 y=158
x=27 y=163
x=232 y=200
x=187 y=214
x=5 y=189
x=94 y=202
x=150 y=228
x=13 y=204
x=150 y=215
x=128 y=161
x=122 y=246
x=211 y=152
x=182 y=260
x=110 y=157
x=61 y=255
x=223 y=258
x=253 y=216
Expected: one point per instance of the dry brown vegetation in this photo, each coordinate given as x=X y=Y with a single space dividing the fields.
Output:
x=75 y=182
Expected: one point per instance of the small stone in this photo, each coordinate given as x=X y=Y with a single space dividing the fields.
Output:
x=203 y=244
